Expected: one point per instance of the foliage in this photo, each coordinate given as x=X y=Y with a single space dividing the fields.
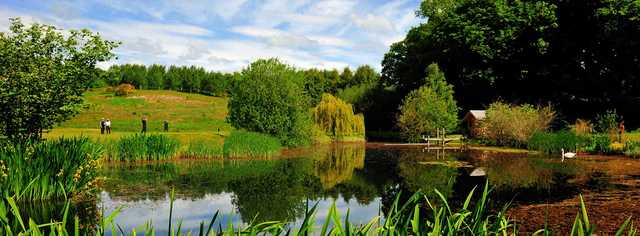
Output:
x=335 y=117
x=144 y=147
x=179 y=78
x=408 y=218
x=632 y=149
x=583 y=127
x=365 y=74
x=250 y=144
x=270 y=99
x=514 y=125
x=202 y=149
x=552 y=143
x=124 y=90
x=43 y=73
x=429 y=108
x=50 y=169
x=315 y=85
x=580 y=55
x=600 y=143
x=608 y=122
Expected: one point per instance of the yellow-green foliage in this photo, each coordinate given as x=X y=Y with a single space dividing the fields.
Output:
x=513 y=125
x=335 y=117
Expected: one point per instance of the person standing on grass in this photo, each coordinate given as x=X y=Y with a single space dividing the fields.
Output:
x=144 y=125
x=102 y=122
x=166 y=125
x=107 y=125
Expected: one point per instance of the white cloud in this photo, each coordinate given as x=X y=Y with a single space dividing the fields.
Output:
x=227 y=35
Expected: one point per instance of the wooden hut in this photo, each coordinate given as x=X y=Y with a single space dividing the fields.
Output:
x=473 y=123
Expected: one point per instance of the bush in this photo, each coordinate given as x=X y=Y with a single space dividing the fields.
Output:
x=632 y=149
x=124 y=90
x=270 y=99
x=514 y=125
x=599 y=143
x=250 y=144
x=608 y=122
x=335 y=117
x=583 y=127
x=429 y=108
x=48 y=169
x=144 y=147
x=551 y=143
x=203 y=149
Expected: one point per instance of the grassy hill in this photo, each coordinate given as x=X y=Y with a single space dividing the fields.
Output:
x=192 y=117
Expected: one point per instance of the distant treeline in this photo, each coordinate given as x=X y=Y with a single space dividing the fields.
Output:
x=194 y=79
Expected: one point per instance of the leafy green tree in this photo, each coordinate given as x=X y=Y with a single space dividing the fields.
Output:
x=43 y=73
x=429 y=108
x=333 y=79
x=365 y=74
x=155 y=75
x=315 y=84
x=133 y=74
x=269 y=98
x=346 y=77
x=579 y=55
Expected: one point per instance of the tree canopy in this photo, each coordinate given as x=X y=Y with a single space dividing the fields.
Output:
x=579 y=55
x=43 y=73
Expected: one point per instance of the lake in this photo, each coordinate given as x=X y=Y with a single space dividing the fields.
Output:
x=366 y=180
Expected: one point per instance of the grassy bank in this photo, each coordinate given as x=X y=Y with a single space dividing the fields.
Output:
x=251 y=144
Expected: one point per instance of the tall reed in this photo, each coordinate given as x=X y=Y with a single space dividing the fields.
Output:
x=251 y=144
x=144 y=147
x=417 y=216
x=48 y=169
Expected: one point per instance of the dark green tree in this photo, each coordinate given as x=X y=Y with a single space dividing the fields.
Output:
x=43 y=73
x=155 y=75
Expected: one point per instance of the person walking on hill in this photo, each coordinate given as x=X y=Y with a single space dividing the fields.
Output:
x=166 y=125
x=144 y=125
x=107 y=125
x=102 y=122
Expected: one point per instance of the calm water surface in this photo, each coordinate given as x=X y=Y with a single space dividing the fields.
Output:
x=364 y=180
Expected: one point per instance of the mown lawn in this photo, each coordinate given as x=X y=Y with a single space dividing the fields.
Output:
x=192 y=117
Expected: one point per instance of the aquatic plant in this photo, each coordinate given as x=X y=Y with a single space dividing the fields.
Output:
x=202 y=149
x=48 y=169
x=143 y=147
x=250 y=144
x=549 y=143
x=419 y=215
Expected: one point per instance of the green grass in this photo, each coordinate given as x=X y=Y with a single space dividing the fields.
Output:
x=251 y=144
x=46 y=170
x=143 y=147
x=193 y=118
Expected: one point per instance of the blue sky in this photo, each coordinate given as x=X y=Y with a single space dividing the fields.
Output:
x=226 y=35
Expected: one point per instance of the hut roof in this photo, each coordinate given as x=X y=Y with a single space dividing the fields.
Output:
x=478 y=114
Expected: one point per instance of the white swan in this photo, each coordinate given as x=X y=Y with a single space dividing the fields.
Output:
x=567 y=154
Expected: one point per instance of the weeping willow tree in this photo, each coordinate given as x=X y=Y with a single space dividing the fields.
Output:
x=336 y=118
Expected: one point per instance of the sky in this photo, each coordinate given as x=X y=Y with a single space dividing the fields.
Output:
x=227 y=35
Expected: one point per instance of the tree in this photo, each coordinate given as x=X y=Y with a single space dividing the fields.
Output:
x=155 y=75
x=43 y=73
x=336 y=118
x=579 y=55
x=429 y=108
x=346 y=77
x=315 y=84
x=269 y=98
x=365 y=74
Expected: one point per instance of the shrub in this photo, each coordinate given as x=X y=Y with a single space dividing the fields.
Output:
x=270 y=99
x=250 y=144
x=583 y=127
x=429 y=108
x=608 y=122
x=514 y=125
x=553 y=142
x=599 y=143
x=335 y=117
x=144 y=147
x=48 y=169
x=124 y=90
x=632 y=149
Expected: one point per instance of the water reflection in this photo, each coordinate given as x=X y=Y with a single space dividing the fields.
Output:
x=366 y=180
